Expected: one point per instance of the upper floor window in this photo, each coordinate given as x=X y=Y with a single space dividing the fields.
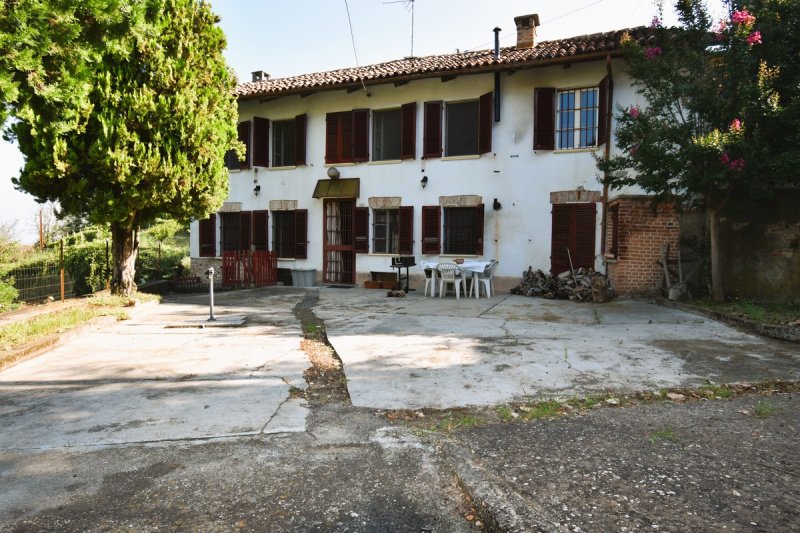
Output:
x=577 y=118
x=283 y=143
x=386 y=133
x=288 y=143
x=467 y=127
x=461 y=128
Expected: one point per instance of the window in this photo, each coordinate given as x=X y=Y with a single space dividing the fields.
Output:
x=386 y=130
x=463 y=230
x=207 y=229
x=467 y=128
x=347 y=136
x=283 y=143
x=392 y=230
x=232 y=161
x=235 y=228
x=577 y=118
x=289 y=233
x=386 y=231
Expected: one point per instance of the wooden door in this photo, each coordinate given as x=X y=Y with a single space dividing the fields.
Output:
x=574 y=230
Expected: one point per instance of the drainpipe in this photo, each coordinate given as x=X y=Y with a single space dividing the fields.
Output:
x=609 y=113
x=496 y=75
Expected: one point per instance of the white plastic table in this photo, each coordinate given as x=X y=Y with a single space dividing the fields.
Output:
x=469 y=266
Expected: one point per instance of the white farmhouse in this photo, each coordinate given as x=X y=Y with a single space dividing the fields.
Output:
x=483 y=154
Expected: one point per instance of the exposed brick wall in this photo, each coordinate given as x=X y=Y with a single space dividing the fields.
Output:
x=199 y=265
x=642 y=233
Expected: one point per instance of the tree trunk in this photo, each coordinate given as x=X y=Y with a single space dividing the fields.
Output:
x=717 y=293
x=124 y=249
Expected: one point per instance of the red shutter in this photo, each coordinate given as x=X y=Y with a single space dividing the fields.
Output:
x=406 y=233
x=408 y=131
x=361 y=135
x=208 y=236
x=300 y=140
x=244 y=136
x=301 y=234
x=432 y=126
x=361 y=230
x=260 y=230
x=346 y=137
x=431 y=229
x=544 y=118
x=560 y=241
x=602 y=110
x=260 y=142
x=485 y=113
x=245 y=224
x=585 y=225
x=479 y=229
x=332 y=138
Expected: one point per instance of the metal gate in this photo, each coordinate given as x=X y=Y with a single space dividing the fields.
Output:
x=339 y=257
x=242 y=268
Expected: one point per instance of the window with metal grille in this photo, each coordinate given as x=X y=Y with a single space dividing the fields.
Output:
x=386 y=130
x=386 y=231
x=461 y=128
x=460 y=230
x=283 y=233
x=283 y=143
x=577 y=118
x=231 y=231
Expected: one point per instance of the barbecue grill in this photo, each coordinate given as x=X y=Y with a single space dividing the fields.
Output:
x=400 y=262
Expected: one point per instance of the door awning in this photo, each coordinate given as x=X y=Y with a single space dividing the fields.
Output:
x=338 y=188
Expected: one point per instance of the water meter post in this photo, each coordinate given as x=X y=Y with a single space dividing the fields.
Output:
x=210 y=274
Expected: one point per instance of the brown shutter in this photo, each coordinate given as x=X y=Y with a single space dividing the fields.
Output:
x=245 y=224
x=244 y=136
x=406 y=233
x=300 y=140
x=361 y=135
x=260 y=230
x=208 y=236
x=560 y=241
x=361 y=230
x=260 y=142
x=432 y=134
x=431 y=229
x=479 y=229
x=485 y=113
x=585 y=225
x=332 y=138
x=346 y=137
x=544 y=118
x=301 y=234
x=602 y=110
x=408 y=131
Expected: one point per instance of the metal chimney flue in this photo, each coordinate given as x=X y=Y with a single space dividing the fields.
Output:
x=496 y=31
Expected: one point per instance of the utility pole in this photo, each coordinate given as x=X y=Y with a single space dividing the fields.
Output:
x=41 y=230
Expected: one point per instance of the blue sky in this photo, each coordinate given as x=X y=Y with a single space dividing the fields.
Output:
x=288 y=38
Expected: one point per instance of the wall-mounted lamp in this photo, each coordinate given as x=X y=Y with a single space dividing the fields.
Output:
x=257 y=189
x=424 y=181
x=497 y=206
x=333 y=173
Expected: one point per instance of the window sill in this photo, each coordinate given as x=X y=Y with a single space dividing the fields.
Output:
x=328 y=165
x=287 y=259
x=576 y=150
x=383 y=254
x=386 y=162
x=460 y=157
x=288 y=167
x=457 y=255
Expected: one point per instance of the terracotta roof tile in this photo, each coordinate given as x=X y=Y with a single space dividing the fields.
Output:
x=420 y=67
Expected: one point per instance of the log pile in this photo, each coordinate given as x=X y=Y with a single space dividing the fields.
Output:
x=585 y=286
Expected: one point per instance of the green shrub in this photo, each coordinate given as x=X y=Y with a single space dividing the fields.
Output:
x=86 y=262
x=8 y=295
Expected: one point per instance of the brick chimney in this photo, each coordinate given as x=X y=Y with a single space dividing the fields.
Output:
x=260 y=75
x=526 y=30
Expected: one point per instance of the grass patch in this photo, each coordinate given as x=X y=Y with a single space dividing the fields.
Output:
x=452 y=423
x=505 y=413
x=666 y=434
x=710 y=390
x=20 y=333
x=548 y=409
x=770 y=313
x=764 y=408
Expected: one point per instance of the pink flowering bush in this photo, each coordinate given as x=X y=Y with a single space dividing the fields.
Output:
x=634 y=112
x=743 y=18
x=732 y=164
x=736 y=125
x=754 y=38
x=650 y=53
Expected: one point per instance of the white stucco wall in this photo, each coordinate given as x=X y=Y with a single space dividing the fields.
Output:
x=520 y=178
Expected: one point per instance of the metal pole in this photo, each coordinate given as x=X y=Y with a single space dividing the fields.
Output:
x=210 y=273
x=61 y=264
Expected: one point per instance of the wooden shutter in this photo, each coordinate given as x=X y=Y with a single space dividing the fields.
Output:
x=602 y=110
x=346 y=137
x=544 y=118
x=361 y=135
x=300 y=140
x=332 y=138
x=301 y=234
x=479 y=229
x=485 y=123
x=260 y=142
x=408 y=131
x=208 y=236
x=260 y=230
x=585 y=223
x=432 y=126
x=560 y=240
x=406 y=233
x=361 y=230
x=244 y=136
x=245 y=225
x=431 y=229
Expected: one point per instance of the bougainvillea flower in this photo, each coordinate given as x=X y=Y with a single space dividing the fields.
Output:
x=650 y=53
x=743 y=17
x=634 y=112
x=754 y=38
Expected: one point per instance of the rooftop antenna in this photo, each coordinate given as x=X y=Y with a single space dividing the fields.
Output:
x=411 y=4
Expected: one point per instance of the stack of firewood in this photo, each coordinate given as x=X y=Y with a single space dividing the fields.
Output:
x=581 y=285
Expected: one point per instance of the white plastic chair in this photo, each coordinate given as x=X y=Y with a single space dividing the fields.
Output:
x=451 y=274
x=485 y=278
x=430 y=281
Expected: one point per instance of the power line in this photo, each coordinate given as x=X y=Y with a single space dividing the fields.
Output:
x=353 y=39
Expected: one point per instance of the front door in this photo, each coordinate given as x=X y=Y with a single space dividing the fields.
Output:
x=573 y=236
x=339 y=257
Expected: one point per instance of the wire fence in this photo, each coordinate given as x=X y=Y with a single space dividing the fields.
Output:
x=42 y=280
